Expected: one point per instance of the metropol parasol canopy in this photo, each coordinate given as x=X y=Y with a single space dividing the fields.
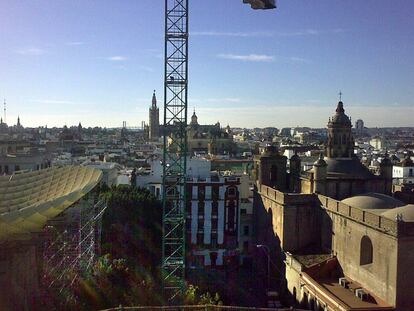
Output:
x=28 y=200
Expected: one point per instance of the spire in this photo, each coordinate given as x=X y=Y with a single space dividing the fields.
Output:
x=18 y=120
x=154 y=100
x=340 y=107
x=194 y=119
x=340 y=140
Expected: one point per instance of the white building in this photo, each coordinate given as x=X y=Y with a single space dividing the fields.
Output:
x=110 y=171
x=403 y=173
x=218 y=211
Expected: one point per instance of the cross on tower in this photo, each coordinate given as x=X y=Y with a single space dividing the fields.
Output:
x=340 y=95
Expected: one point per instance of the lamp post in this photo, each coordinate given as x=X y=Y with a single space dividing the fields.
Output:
x=266 y=248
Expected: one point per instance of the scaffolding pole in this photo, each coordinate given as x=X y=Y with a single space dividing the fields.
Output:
x=71 y=241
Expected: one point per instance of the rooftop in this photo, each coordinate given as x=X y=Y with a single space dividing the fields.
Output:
x=324 y=278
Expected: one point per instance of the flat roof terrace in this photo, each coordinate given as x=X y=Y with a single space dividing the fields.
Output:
x=321 y=283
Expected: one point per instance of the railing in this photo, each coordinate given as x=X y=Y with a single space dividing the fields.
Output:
x=201 y=308
x=364 y=216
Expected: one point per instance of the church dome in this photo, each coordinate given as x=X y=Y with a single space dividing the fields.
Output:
x=194 y=119
x=406 y=213
x=373 y=200
x=350 y=167
x=340 y=117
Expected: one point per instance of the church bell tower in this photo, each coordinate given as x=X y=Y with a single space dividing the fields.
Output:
x=154 y=119
x=340 y=139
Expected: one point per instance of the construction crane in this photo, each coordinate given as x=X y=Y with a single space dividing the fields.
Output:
x=175 y=150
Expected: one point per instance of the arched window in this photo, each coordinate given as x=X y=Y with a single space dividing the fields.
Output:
x=366 y=254
x=305 y=301
x=273 y=173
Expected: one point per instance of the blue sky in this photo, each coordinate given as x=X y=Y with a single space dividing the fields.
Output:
x=97 y=62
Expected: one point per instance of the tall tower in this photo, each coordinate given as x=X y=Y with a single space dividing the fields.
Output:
x=4 y=110
x=154 y=119
x=359 y=127
x=340 y=139
x=270 y=168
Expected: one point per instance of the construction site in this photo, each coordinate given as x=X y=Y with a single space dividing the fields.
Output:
x=49 y=233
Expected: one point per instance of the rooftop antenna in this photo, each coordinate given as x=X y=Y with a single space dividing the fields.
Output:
x=340 y=96
x=4 y=104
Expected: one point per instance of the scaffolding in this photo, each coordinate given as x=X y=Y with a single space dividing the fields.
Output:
x=71 y=242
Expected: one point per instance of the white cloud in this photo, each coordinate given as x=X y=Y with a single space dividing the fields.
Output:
x=117 y=58
x=33 y=51
x=248 y=58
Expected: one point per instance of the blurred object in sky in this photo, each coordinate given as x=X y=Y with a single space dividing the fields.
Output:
x=261 y=4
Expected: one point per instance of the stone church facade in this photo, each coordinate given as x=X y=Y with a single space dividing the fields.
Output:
x=339 y=240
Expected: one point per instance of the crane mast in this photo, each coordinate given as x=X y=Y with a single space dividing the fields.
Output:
x=175 y=145
x=175 y=149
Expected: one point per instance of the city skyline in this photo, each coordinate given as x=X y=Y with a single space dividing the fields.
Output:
x=65 y=63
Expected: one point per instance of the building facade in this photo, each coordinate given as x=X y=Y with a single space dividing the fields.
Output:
x=213 y=220
x=359 y=127
x=341 y=242
x=209 y=139
x=403 y=172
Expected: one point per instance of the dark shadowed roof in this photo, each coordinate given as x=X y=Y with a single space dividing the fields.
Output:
x=347 y=168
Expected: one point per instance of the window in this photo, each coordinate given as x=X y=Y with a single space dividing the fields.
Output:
x=243 y=211
x=231 y=191
x=200 y=238
x=214 y=209
x=214 y=224
x=410 y=173
x=213 y=259
x=245 y=246
x=201 y=192
x=273 y=173
x=366 y=255
x=246 y=230
x=214 y=240
x=201 y=208
x=215 y=193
